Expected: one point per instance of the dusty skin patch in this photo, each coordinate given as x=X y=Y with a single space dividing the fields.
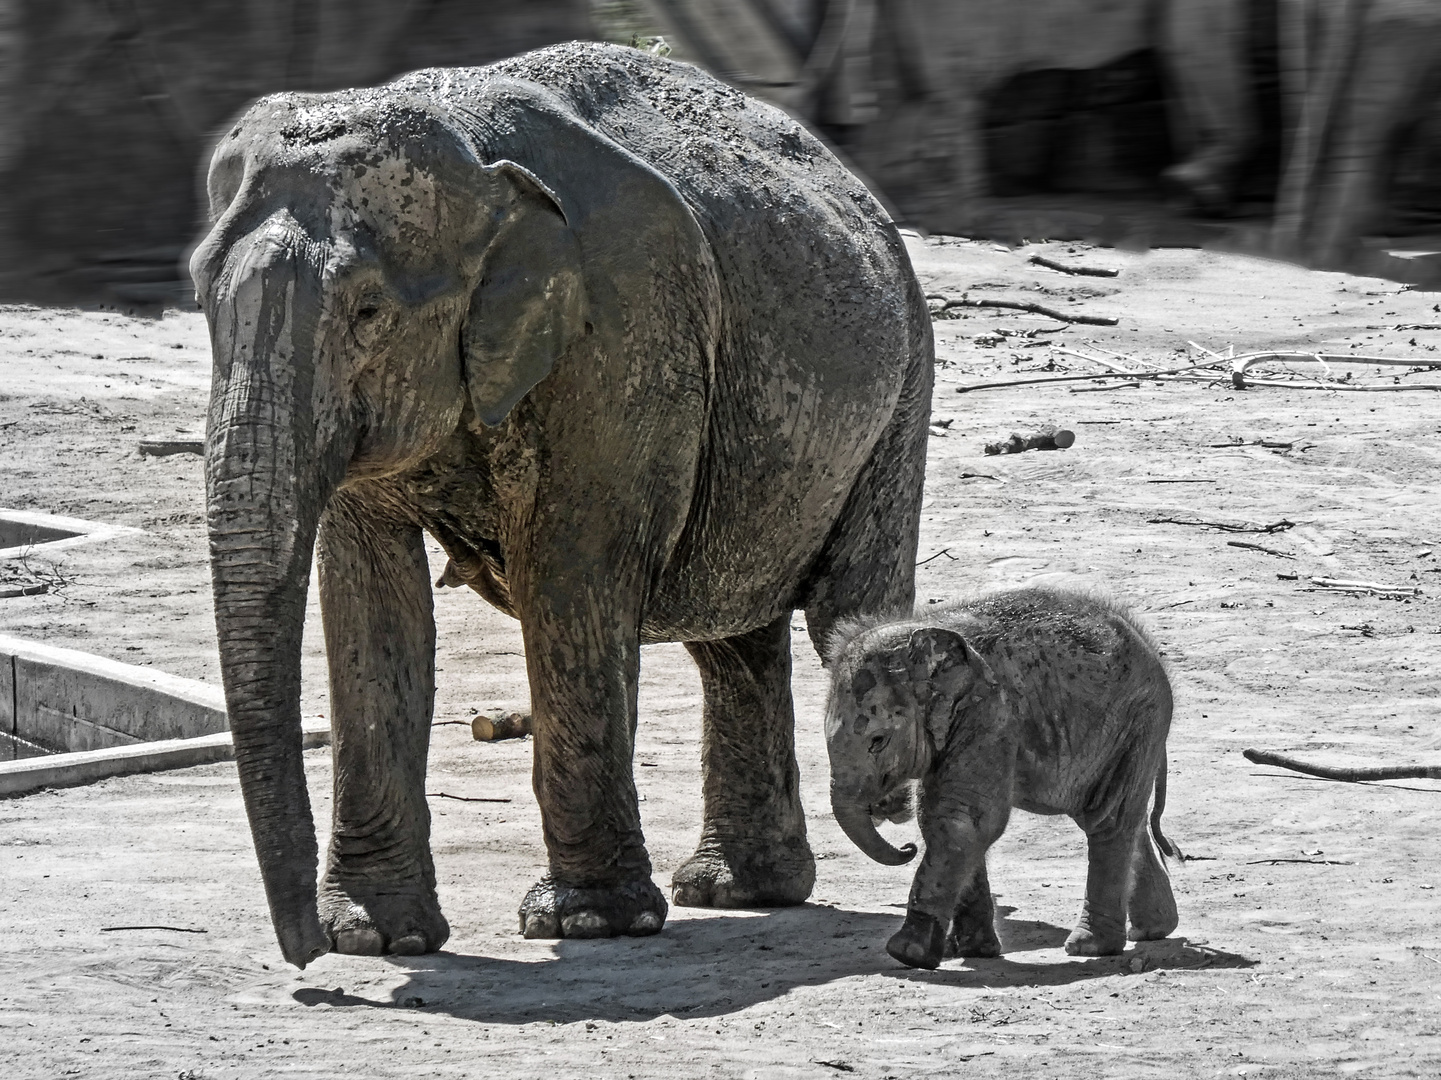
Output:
x=1321 y=967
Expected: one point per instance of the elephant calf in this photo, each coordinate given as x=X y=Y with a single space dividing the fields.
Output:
x=1052 y=701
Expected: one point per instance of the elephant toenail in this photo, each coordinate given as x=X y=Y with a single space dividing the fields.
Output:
x=585 y=924
x=409 y=945
x=361 y=942
x=647 y=922
x=544 y=925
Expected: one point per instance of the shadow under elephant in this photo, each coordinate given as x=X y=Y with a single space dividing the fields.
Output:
x=717 y=963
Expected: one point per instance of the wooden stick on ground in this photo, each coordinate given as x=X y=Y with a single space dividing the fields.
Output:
x=1351 y=774
x=1035 y=309
x=1087 y=271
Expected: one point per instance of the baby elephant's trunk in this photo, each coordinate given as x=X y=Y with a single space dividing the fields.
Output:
x=857 y=823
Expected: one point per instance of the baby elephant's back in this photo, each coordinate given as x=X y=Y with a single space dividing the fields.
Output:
x=1086 y=691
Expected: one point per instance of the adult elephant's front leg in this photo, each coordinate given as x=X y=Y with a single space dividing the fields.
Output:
x=583 y=658
x=753 y=850
x=378 y=894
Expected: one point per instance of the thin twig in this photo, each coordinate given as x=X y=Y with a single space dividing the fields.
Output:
x=1315 y=862
x=1085 y=271
x=1259 y=547
x=175 y=929
x=1225 y=526
x=944 y=551
x=461 y=798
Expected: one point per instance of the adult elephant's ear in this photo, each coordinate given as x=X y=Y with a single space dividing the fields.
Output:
x=529 y=304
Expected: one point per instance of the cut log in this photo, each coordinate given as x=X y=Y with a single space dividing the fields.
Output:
x=514 y=725
x=1049 y=437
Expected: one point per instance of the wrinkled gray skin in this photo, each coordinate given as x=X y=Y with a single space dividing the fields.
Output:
x=1050 y=701
x=646 y=361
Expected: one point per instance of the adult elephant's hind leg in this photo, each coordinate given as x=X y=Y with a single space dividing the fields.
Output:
x=753 y=850
x=378 y=893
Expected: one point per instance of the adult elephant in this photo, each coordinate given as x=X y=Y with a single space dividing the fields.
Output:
x=903 y=84
x=645 y=359
x=1357 y=75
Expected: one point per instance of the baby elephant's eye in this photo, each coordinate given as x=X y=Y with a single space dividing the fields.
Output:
x=879 y=743
x=367 y=311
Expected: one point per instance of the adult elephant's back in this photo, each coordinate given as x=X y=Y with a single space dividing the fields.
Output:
x=797 y=406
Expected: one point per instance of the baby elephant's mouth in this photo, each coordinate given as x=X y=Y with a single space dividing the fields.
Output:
x=896 y=805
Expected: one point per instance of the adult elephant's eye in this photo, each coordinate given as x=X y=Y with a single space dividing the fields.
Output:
x=879 y=743
x=367 y=311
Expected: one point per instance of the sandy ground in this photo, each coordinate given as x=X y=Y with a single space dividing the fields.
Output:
x=1309 y=944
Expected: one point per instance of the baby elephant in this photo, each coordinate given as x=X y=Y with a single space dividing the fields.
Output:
x=1052 y=701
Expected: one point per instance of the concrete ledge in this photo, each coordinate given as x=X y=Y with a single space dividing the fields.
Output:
x=53 y=532
x=72 y=770
x=70 y=700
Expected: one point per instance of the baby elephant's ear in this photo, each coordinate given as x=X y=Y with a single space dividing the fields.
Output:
x=957 y=676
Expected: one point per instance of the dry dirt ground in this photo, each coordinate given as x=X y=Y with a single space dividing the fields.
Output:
x=1310 y=936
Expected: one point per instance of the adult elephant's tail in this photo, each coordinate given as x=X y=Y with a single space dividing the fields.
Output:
x=1157 y=809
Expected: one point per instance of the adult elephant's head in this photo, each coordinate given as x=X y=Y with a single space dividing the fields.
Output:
x=367 y=274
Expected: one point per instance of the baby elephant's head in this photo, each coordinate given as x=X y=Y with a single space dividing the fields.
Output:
x=894 y=692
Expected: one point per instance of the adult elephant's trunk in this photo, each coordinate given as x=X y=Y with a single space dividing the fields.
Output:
x=266 y=487
x=855 y=819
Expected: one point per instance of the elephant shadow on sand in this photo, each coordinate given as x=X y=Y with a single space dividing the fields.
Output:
x=717 y=963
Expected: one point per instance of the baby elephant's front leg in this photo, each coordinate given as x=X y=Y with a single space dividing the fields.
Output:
x=955 y=855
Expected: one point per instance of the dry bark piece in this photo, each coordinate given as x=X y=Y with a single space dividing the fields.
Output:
x=514 y=725
x=166 y=447
x=1350 y=774
x=1049 y=437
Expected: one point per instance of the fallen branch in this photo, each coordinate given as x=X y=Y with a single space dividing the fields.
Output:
x=1034 y=309
x=1085 y=378
x=1225 y=526
x=944 y=551
x=1406 y=326
x=25 y=590
x=1259 y=547
x=1315 y=862
x=1353 y=774
x=1086 y=271
x=1364 y=586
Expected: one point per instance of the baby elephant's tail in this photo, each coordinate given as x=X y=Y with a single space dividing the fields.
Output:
x=1157 y=809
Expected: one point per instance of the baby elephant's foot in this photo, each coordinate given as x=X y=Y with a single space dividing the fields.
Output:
x=973 y=939
x=734 y=876
x=553 y=910
x=372 y=921
x=920 y=942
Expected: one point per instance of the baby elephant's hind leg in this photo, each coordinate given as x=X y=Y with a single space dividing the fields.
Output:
x=1101 y=929
x=973 y=928
x=1149 y=904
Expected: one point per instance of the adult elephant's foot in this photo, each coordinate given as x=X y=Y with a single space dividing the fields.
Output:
x=1086 y=940
x=554 y=910
x=920 y=942
x=736 y=875
x=373 y=920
